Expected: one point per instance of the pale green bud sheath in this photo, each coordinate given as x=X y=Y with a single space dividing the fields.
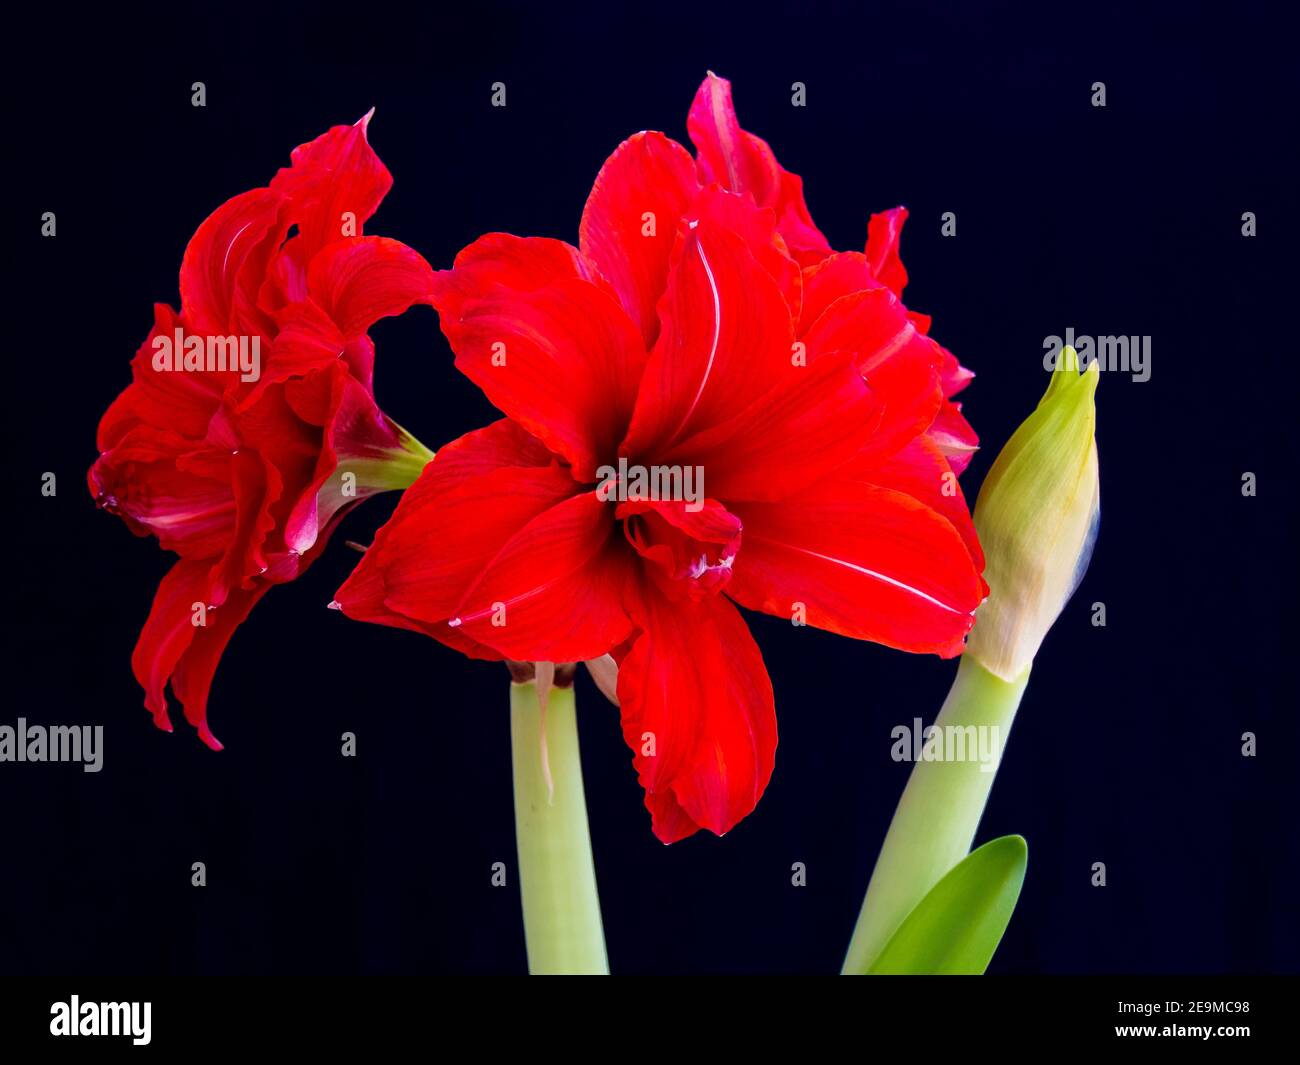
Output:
x=1037 y=518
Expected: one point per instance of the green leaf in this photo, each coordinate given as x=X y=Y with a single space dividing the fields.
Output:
x=955 y=929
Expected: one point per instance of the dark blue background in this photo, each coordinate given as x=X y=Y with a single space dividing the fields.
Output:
x=1118 y=220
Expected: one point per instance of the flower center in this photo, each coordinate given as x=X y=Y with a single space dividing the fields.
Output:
x=688 y=552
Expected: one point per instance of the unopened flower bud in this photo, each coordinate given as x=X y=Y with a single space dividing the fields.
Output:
x=1037 y=518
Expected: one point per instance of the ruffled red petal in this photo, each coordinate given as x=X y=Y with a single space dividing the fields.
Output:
x=698 y=713
x=883 y=259
x=726 y=340
x=743 y=163
x=334 y=183
x=467 y=505
x=546 y=341
x=630 y=220
x=172 y=647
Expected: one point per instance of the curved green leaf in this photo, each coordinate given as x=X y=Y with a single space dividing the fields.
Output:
x=956 y=928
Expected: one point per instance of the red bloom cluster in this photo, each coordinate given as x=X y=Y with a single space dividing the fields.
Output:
x=244 y=470
x=703 y=322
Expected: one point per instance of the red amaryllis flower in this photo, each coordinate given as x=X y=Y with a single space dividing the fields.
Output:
x=671 y=341
x=250 y=425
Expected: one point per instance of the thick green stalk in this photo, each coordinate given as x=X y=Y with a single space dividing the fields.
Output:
x=934 y=825
x=557 y=878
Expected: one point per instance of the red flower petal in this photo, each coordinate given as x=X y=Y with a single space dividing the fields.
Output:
x=359 y=355
x=630 y=220
x=668 y=820
x=192 y=677
x=922 y=470
x=898 y=362
x=258 y=486
x=308 y=340
x=866 y=562
x=694 y=691
x=756 y=227
x=357 y=282
x=952 y=374
x=467 y=504
x=338 y=173
x=738 y=161
x=953 y=435
x=353 y=283
x=216 y=254
x=182 y=402
x=172 y=647
x=883 y=233
x=882 y=258
x=161 y=484
x=512 y=264
x=503 y=443
x=555 y=590
x=838 y=275
x=549 y=347
x=743 y=163
x=817 y=420
x=726 y=340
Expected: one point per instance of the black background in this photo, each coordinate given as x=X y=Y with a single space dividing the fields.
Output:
x=1123 y=220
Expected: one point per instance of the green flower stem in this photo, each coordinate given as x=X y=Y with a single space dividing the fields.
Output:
x=557 y=878
x=934 y=825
